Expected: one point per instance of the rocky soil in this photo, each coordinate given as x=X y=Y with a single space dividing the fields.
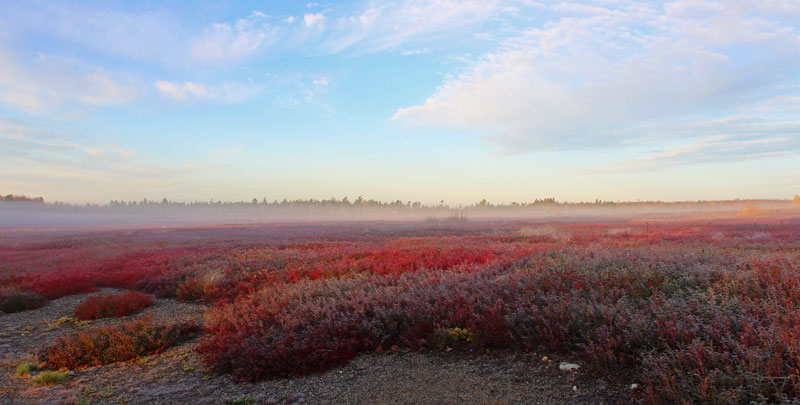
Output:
x=393 y=377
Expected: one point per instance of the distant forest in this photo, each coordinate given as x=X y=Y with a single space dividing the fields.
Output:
x=362 y=202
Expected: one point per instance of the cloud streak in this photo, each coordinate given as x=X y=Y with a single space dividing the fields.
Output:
x=226 y=92
x=707 y=150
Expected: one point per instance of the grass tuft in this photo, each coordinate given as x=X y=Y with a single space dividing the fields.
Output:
x=25 y=369
x=50 y=378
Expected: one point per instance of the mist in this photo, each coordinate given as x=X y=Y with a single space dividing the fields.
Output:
x=36 y=213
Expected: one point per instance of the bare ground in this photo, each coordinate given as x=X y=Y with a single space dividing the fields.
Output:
x=178 y=376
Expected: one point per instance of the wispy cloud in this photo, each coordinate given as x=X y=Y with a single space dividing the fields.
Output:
x=387 y=25
x=756 y=133
x=231 y=42
x=226 y=92
x=43 y=155
x=305 y=94
x=24 y=141
x=48 y=82
x=162 y=36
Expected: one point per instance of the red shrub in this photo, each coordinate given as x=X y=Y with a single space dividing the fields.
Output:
x=695 y=312
x=112 y=305
x=112 y=344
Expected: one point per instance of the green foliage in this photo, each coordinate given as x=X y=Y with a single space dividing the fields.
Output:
x=451 y=336
x=50 y=378
x=24 y=369
x=65 y=319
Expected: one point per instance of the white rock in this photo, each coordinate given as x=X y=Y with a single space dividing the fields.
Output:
x=545 y=358
x=634 y=386
x=564 y=366
x=574 y=387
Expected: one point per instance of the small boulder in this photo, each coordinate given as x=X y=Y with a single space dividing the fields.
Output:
x=564 y=366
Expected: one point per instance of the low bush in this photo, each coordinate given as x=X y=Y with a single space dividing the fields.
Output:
x=113 y=305
x=50 y=378
x=111 y=344
x=696 y=325
x=15 y=300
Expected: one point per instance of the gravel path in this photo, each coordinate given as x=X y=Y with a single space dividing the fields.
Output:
x=178 y=376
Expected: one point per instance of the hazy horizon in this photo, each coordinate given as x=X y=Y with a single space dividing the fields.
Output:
x=16 y=197
x=422 y=100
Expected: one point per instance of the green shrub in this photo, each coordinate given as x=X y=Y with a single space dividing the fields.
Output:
x=451 y=336
x=24 y=369
x=50 y=378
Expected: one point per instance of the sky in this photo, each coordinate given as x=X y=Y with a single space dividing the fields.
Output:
x=423 y=100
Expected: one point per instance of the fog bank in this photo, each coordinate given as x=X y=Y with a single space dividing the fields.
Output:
x=38 y=214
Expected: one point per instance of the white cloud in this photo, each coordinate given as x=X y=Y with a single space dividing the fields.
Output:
x=171 y=90
x=595 y=71
x=313 y=19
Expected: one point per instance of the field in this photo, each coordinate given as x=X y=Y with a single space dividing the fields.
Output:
x=688 y=311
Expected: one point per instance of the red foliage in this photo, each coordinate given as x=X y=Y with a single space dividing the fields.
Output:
x=696 y=312
x=113 y=305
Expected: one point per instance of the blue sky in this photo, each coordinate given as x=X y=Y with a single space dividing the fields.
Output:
x=410 y=99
